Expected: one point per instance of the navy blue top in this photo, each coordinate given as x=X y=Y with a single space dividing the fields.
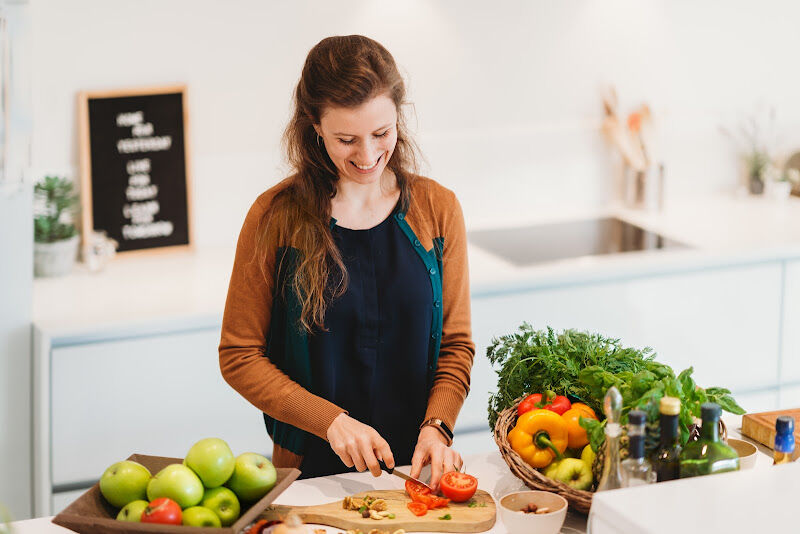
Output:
x=373 y=359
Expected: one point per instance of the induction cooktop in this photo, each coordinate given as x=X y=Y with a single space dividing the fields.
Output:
x=548 y=242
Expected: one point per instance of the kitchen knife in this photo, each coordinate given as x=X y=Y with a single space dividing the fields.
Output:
x=402 y=475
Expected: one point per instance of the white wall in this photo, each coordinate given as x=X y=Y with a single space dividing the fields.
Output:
x=506 y=96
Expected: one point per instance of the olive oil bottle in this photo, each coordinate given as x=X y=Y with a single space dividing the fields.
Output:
x=709 y=454
x=666 y=458
x=784 y=440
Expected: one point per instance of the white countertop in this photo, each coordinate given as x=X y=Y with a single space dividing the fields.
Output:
x=491 y=470
x=162 y=290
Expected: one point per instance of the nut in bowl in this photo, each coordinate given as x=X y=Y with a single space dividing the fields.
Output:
x=533 y=512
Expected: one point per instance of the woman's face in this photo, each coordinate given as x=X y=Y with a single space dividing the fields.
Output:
x=360 y=140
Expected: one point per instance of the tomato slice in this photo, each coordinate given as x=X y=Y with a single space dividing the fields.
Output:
x=437 y=502
x=458 y=487
x=417 y=508
x=415 y=487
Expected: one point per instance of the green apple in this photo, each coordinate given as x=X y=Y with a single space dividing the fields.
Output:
x=212 y=460
x=124 y=482
x=588 y=455
x=222 y=502
x=573 y=472
x=551 y=469
x=132 y=511
x=252 y=477
x=199 y=516
x=178 y=483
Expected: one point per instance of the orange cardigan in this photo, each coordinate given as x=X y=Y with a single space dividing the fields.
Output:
x=273 y=383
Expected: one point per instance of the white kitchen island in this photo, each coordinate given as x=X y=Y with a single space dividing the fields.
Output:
x=726 y=306
x=493 y=476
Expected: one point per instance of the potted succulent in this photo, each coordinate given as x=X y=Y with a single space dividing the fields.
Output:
x=756 y=141
x=55 y=236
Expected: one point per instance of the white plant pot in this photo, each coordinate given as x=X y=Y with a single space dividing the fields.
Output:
x=55 y=259
x=780 y=190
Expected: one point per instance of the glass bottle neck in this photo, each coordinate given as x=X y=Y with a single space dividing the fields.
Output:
x=669 y=430
x=710 y=430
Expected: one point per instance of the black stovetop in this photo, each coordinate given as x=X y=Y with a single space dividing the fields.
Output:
x=547 y=242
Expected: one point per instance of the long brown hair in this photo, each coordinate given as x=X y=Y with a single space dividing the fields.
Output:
x=342 y=71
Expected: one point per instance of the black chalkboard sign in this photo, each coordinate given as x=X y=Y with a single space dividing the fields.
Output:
x=135 y=184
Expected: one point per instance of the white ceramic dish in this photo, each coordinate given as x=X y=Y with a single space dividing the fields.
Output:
x=518 y=522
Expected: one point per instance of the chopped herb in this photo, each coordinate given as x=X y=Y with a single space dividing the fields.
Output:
x=473 y=504
x=446 y=517
x=362 y=508
x=391 y=516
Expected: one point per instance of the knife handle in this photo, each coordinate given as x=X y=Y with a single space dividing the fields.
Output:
x=384 y=468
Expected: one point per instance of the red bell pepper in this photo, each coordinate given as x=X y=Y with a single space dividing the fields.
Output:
x=549 y=401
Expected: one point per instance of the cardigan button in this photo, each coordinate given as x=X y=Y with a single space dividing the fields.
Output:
x=432 y=271
x=417 y=243
x=436 y=303
x=401 y=216
x=433 y=336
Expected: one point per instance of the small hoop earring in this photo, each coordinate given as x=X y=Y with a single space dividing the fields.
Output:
x=318 y=143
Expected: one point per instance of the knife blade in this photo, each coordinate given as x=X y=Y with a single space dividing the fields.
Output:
x=402 y=475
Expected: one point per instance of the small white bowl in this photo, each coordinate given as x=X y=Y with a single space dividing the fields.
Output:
x=518 y=522
x=748 y=453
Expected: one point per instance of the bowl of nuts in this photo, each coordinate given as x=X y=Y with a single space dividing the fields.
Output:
x=533 y=512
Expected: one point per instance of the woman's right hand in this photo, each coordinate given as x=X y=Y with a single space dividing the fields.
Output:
x=359 y=444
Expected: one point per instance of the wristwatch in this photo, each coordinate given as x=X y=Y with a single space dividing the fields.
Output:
x=441 y=426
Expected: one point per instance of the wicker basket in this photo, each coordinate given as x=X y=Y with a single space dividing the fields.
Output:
x=579 y=501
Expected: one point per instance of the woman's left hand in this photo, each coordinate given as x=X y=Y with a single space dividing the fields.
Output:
x=432 y=449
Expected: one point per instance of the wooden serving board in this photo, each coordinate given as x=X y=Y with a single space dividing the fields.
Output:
x=464 y=519
x=761 y=427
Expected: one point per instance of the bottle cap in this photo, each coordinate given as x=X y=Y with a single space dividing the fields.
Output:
x=710 y=411
x=637 y=417
x=784 y=425
x=670 y=406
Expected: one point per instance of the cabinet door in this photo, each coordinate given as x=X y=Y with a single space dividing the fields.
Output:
x=154 y=395
x=724 y=322
x=790 y=354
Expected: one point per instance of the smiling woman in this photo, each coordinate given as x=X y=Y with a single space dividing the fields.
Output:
x=347 y=320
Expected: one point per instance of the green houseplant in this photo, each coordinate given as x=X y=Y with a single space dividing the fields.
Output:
x=54 y=233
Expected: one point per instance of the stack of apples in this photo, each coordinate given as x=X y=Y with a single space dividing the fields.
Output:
x=205 y=491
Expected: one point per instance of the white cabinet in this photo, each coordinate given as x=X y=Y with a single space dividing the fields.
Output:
x=790 y=353
x=154 y=395
x=724 y=322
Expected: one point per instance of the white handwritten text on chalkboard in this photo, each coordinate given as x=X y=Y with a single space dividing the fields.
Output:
x=142 y=205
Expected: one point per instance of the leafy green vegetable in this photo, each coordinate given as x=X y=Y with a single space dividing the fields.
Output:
x=446 y=517
x=584 y=366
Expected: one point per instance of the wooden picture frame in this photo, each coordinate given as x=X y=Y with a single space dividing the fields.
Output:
x=137 y=174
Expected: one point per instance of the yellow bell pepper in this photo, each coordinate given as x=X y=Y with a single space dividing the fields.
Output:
x=539 y=437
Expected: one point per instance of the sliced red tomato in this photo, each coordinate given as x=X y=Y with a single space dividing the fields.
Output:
x=420 y=493
x=417 y=508
x=415 y=487
x=437 y=502
x=458 y=487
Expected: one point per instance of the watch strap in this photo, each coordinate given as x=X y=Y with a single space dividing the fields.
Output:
x=441 y=426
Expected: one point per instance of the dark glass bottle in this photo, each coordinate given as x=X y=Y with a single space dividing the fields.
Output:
x=709 y=454
x=784 y=440
x=666 y=458
x=636 y=469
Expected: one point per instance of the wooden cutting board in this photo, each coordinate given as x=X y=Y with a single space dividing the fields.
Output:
x=464 y=519
x=761 y=427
